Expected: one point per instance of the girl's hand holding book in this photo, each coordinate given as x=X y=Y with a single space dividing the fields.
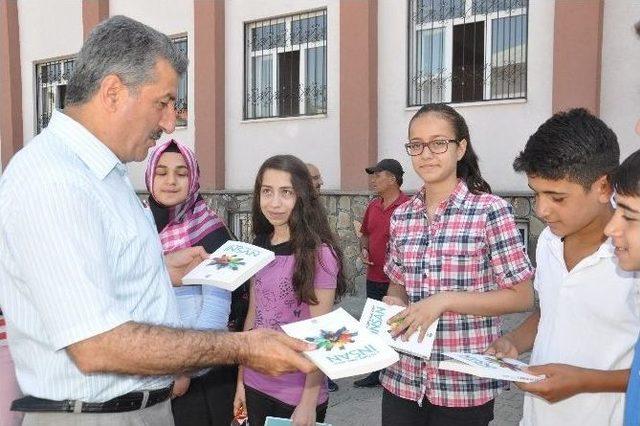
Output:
x=503 y=348
x=182 y=261
x=418 y=317
x=562 y=381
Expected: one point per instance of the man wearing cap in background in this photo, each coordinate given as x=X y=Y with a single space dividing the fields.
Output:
x=386 y=180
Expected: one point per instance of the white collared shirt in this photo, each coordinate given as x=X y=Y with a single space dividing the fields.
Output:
x=80 y=255
x=589 y=318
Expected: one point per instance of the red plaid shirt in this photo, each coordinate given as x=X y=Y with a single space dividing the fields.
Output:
x=471 y=245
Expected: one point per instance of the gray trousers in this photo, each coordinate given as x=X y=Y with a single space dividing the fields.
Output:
x=156 y=415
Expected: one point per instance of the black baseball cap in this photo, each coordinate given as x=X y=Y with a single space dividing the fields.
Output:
x=389 y=164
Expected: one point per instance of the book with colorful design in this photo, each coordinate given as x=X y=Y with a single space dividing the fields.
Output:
x=278 y=421
x=375 y=316
x=488 y=366
x=229 y=266
x=344 y=347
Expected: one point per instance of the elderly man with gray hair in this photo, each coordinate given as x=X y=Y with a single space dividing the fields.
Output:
x=91 y=317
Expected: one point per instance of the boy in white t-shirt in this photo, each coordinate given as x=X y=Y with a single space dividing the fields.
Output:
x=584 y=333
x=624 y=230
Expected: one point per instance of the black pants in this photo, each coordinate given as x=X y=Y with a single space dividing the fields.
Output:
x=398 y=411
x=209 y=400
x=260 y=405
x=376 y=290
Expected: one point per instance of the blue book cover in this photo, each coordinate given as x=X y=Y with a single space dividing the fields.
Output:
x=277 y=421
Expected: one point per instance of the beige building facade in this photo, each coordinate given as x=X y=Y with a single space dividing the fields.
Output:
x=335 y=82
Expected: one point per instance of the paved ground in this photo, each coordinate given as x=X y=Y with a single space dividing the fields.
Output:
x=352 y=406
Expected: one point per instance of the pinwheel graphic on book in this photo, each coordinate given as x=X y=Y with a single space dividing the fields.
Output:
x=343 y=347
x=227 y=261
x=336 y=339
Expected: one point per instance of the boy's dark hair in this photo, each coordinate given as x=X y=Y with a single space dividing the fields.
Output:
x=626 y=178
x=573 y=145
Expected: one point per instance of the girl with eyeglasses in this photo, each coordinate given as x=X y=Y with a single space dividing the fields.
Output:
x=455 y=253
x=302 y=282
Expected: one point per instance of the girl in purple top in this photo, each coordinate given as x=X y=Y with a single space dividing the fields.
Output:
x=302 y=282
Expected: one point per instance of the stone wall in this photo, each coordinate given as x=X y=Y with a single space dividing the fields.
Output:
x=345 y=211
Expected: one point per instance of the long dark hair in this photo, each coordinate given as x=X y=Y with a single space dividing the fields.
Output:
x=467 y=168
x=308 y=225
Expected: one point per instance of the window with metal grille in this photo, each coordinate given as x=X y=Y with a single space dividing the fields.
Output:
x=466 y=50
x=285 y=67
x=51 y=89
x=181 y=106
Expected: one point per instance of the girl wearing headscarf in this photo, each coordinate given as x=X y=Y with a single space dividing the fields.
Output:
x=184 y=220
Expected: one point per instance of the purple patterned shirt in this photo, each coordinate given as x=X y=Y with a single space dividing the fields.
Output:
x=276 y=304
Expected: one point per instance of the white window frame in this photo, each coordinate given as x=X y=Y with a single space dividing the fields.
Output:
x=448 y=24
x=273 y=53
x=447 y=50
x=488 y=54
